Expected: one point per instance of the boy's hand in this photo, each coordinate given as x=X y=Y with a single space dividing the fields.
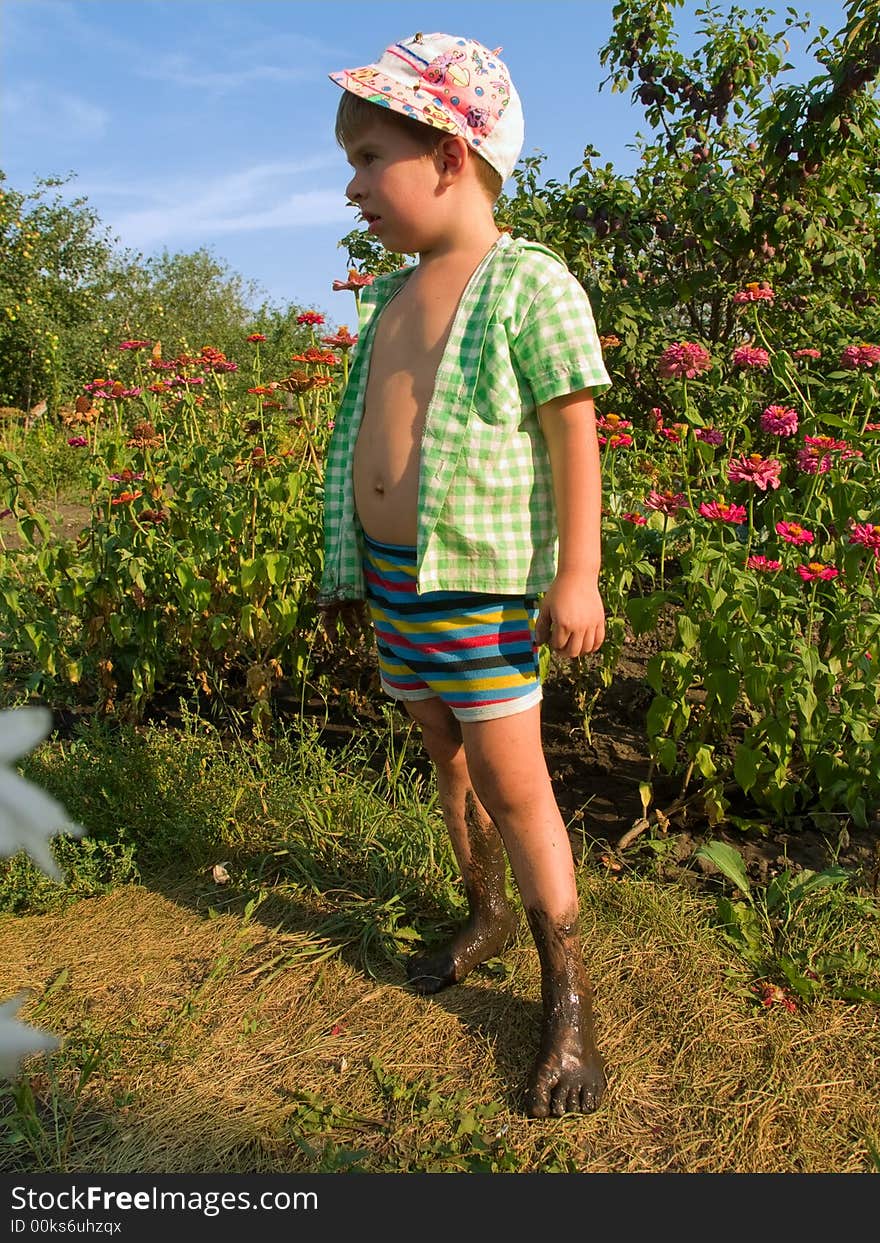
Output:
x=571 y=617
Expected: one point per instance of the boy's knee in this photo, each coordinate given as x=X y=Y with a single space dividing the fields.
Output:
x=441 y=733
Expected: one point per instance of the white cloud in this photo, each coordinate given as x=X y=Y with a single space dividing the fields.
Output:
x=36 y=111
x=264 y=196
x=185 y=72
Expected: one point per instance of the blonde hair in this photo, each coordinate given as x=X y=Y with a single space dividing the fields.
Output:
x=354 y=115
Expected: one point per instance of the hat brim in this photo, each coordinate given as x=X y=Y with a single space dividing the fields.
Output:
x=386 y=92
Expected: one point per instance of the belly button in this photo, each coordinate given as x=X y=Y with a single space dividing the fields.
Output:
x=380 y=488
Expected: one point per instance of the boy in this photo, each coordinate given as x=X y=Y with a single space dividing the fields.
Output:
x=467 y=421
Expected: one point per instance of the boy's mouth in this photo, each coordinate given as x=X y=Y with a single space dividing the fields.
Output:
x=370 y=218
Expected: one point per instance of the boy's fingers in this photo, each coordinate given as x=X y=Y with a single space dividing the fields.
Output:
x=542 y=626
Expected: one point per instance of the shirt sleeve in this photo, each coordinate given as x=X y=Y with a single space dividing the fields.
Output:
x=556 y=346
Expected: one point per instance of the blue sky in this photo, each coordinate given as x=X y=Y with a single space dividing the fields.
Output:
x=194 y=123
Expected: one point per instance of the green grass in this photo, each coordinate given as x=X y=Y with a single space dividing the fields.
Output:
x=263 y=1024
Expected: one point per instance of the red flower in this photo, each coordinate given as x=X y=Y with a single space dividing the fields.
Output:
x=637 y=519
x=860 y=356
x=755 y=292
x=763 y=564
x=794 y=533
x=612 y=422
x=77 y=442
x=135 y=345
x=750 y=356
x=313 y=355
x=721 y=511
x=125 y=497
x=812 y=462
x=684 y=358
x=620 y=440
x=261 y=390
x=865 y=534
x=255 y=337
x=807 y=353
x=668 y=503
x=310 y=317
x=762 y=472
x=779 y=421
x=355 y=281
x=342 y=340
x=815 y=570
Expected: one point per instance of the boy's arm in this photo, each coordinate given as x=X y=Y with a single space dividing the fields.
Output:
x=572 y=618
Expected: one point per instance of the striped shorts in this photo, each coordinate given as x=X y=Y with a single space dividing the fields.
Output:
x=474 y=651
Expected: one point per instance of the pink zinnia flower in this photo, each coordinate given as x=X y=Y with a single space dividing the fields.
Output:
x=812 y=462
x=135 y=345
x=755 y=292
x=827 y=443
x=865 y=534
x=750 y=356
x=872 y=427
x=779 y=421
x=355 y=281
x=77 y=442
x=761 y=471
x=722 y=511
x=675 y=434
x=766 y=565
x=794 y=533
x=655 y=418
x=310 y=317
x=815 y=570
x=684 y=358
x=612 y=422
x=668 y=503
x=807 y=353
x=860 y=356
x=709 y=435
x=638 y=519
x=620 y=440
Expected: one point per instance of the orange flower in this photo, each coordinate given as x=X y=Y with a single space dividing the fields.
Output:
x=125 y=497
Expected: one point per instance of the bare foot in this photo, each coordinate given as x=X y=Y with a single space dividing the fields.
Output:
x=478 y=939
x=568 y=1075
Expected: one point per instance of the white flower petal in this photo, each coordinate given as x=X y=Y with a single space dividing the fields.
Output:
x=21 y=729
x=17 y=1040
x=29 y=816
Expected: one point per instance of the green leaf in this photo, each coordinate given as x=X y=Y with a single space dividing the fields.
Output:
x=729 y=861
x=745 y=767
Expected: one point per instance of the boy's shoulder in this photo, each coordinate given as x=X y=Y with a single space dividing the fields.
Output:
x=533 y=267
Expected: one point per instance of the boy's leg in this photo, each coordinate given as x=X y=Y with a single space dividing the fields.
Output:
x=509 y=773
x=478 y=850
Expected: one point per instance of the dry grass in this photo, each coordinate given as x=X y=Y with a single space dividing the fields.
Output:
x=245 y=1045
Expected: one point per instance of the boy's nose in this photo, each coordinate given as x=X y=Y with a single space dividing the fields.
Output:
x=351 y=190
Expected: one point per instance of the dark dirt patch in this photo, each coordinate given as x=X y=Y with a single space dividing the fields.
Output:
x=67 y=520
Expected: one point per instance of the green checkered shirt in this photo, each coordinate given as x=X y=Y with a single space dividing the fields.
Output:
x=522 y=335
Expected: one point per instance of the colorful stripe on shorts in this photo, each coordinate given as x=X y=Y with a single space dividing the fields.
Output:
x=474 y=650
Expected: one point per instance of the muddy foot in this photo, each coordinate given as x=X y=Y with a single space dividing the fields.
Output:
x=568 y=1075
x=474 y=943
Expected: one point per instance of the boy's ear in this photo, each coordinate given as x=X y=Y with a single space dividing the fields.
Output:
x=452 y=155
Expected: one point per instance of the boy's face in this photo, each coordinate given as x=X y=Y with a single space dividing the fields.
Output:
x=395 y=187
